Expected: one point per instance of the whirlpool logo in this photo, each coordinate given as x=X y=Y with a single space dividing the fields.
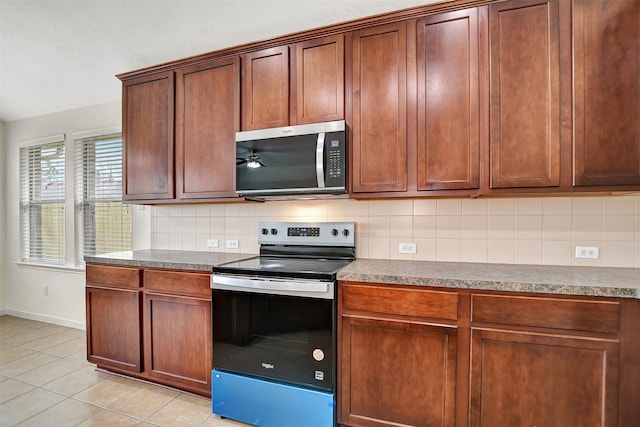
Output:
x=267 y=365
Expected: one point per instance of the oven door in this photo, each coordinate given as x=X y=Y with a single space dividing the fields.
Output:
x=275 y=337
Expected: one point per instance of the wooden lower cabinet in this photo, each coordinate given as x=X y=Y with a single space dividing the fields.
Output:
x=177 y=341
x=423 y=356
x=397 y=373
x=152 y=324
x=533 y=379
x=113 y=328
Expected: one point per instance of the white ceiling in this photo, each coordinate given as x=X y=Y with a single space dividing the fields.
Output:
x=57 y=55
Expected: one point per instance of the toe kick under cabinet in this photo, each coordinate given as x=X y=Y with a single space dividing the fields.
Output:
x=152 y=324
x=422 y=356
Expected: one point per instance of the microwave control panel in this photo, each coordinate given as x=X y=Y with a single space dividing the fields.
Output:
x=336 y=159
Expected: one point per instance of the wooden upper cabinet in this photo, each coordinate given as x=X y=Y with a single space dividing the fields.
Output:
x=379 y=108
x=448 y=101
x=207 y=118
x=319 y=75
x=265 y=88
x=606 y=59
x=524 y=93
x=147 y=116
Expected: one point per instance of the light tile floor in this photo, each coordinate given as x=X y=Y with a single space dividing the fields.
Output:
x=45 y=380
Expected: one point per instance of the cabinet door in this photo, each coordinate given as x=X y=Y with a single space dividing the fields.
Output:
x=147 y=123
x=207 y=118
x=265 y=88
x=379 y=98
x=521 y=379
x=178 y=341
x=524 y=93
x=448 y=113
x=320 y=80
x=395 y=373
x=113 y=328
x=606 y=59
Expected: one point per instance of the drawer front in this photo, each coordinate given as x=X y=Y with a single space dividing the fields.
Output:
x=400 y=300
x=570 y=314
x=127 y=277
x=178 y=282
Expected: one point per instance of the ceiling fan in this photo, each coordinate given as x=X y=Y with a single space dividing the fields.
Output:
x=252 y=160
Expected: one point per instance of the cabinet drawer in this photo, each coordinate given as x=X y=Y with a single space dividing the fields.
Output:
x=178 y=282
x=399 y=300
x=113 y=276
x=571 y=314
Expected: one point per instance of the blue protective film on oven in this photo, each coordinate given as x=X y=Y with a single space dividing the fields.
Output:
x=268 y=404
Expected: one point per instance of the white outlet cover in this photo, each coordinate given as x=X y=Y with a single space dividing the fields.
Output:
x=587 y=252
x=407 y=248
x=212 y=243
x=232 y=244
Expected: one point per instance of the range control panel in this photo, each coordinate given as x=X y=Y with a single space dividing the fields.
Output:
x=302 y=233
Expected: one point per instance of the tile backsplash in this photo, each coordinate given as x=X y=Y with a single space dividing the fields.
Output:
x=505 y=230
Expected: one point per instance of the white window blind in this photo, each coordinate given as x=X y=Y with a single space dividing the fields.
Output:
x=103 y=223
x=42 y=198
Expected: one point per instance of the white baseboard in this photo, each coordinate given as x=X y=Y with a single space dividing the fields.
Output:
x=43 y=318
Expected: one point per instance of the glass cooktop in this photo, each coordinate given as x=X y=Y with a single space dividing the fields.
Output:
x=316 y=268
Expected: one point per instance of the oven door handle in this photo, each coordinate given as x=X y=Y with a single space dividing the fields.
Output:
x=290 y=286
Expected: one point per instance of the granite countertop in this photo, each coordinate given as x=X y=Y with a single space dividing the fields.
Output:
x=592 y=281
x=161 y=258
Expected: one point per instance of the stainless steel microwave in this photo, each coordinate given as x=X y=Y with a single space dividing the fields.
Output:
x=302 y=160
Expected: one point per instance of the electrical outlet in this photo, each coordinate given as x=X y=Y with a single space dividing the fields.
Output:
x=232 y=244
x=45 y=290
x=407 y=248
x=588 y=252
x=212 y=243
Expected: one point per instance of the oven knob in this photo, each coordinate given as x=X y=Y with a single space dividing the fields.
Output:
x=265 y=231
x=345 y=232
x=274 y=231
x=334 y=232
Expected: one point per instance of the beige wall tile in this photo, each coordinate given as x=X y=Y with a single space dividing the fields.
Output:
x=362 y=247
x=528 y=228
x=557 y=252
x=586 y=227
x=189 y=242
x=556 y=206
x=502 y=227
x=556 y=227
x=203 y=210
x=502 y=207
x=586 y=205
x=379 y=226
x=401 y=226
x=448 y=249
x=475 y=227
x=358 y=207
x=500 y=251
x=475 y=207
x=449 y=227
x=424 y=207
x=618 y=227
x=449 y=206
x=618 y=253
x=401 y=207
x=175 y=210
x=619 y=205
x=425 y=249
x=337 y=208
x=474 y=250
x=379 y=208
x=528 y=252
x=636 y=262
x=425 y=227
x=379 y=247
x=529 y=206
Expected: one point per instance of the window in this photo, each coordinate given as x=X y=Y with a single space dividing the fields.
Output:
x=103 y=222
x=42 y=198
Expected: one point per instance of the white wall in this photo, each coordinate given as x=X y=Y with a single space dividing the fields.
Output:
x=3 y=168
x=65 y=303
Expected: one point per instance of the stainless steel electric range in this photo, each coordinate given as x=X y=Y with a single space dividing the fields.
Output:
x=274 y=326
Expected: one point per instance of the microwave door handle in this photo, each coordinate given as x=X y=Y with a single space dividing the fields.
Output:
x=320 y=160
